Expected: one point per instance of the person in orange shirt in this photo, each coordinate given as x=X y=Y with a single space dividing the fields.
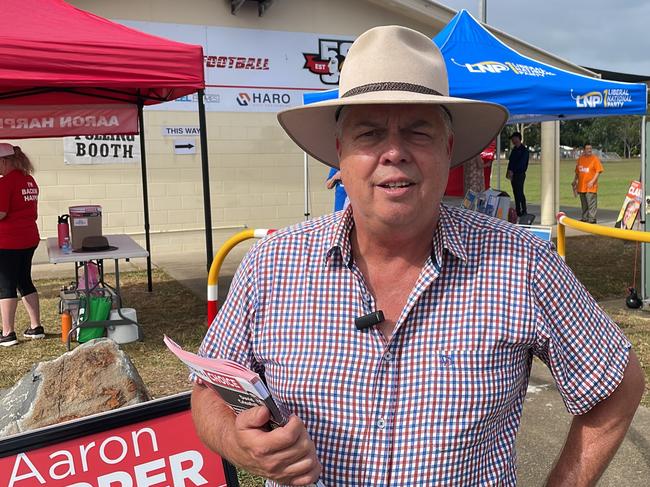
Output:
x=585 y=183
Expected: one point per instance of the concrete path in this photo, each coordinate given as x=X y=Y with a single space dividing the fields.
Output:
x=544 y=426
x=545 y=420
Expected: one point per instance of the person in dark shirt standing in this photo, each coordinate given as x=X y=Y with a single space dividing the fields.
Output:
x=517 y=167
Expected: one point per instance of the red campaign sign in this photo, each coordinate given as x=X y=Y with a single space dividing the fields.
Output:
x=160 y=452
x=635 y=192
x=489 y=153
x=29 y=121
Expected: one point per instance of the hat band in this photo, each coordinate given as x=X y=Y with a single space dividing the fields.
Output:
x=390 y=86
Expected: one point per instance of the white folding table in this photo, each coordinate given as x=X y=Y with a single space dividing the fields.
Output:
x=126 y=249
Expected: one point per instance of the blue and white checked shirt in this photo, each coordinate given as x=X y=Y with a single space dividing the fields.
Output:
x=440 y=402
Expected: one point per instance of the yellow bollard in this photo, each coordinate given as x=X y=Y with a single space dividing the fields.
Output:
x=213 y=275
x=561 y=238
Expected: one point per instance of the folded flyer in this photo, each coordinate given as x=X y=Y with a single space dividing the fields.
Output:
x=240 y=387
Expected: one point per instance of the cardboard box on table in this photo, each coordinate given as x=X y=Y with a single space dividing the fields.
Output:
x=491 y=202
x=85 y=221
x=503 y=206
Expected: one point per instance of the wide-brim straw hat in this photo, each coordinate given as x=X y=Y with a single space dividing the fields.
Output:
x=394 y=65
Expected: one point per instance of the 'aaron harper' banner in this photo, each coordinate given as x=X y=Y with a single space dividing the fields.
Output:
x=33 y=121
x=160 y=450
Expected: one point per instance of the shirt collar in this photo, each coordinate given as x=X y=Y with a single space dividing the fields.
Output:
x=338 y=238
x=446 y=236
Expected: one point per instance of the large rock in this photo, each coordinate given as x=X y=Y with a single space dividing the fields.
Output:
x=96 y=376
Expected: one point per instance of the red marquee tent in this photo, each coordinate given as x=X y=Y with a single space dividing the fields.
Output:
x=64 y=71
x=52 y=53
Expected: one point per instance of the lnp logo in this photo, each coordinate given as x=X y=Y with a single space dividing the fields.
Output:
x=588 y=100
x=327 y=63
x=613 y=98
x=486 y=67
x=495 y=67
x=243 y=99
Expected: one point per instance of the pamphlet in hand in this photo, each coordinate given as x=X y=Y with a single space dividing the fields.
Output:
x=240 y=387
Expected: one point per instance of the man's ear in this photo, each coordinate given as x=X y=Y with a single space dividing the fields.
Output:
x=338 y=148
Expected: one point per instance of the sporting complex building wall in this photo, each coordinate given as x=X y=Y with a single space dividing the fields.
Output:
x=256 y=171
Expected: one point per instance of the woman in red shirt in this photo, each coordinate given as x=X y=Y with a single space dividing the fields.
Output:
x=18 y=240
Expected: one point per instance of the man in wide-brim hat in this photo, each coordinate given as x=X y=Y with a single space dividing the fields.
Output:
x=400 y=331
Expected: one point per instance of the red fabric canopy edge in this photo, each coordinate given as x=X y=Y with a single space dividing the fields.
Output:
x=49 y=44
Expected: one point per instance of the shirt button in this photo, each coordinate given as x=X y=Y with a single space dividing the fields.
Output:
x=388 y=356
x=381 y=423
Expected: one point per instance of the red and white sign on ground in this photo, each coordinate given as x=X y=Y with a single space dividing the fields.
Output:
x=160 y=452
x=631 y=205
x=31 y=121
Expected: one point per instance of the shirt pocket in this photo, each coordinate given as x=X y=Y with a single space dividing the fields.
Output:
x=478 y=396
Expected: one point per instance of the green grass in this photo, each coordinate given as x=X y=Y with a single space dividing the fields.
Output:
x=612 y=184
x=170 y=309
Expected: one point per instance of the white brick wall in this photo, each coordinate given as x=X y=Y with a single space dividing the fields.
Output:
x=256 y=171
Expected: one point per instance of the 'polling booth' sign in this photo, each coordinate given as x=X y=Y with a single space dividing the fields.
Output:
x=101 y=149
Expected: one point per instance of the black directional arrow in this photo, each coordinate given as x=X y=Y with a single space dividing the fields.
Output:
x=184 y=146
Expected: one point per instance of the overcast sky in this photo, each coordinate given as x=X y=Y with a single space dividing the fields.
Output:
x=605 y=34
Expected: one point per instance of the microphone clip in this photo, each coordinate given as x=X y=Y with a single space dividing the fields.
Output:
x=369 y=320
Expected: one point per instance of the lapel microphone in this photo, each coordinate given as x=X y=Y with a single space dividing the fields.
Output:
x=369 y=320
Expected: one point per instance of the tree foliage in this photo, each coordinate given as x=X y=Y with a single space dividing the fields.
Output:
x=620 y=134
x=610 y=134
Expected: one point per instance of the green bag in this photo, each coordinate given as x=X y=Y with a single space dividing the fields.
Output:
x=98 y=310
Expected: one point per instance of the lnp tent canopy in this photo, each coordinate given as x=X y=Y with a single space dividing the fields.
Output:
x=482 y=67
x=64 y=71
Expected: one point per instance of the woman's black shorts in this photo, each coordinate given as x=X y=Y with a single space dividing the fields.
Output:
x=16 y=272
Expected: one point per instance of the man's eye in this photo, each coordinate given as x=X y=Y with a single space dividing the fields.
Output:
x=368 y=133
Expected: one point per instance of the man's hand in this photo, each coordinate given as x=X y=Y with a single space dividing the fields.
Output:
x=590 y=184
x=509 y=175
x=286 y=454
x=595 y=436
x=334 y=180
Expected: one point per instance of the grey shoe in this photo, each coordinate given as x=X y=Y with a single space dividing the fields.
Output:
x=8 y=340
x=34 y=333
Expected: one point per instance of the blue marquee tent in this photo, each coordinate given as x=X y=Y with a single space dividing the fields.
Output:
x=482 y=67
